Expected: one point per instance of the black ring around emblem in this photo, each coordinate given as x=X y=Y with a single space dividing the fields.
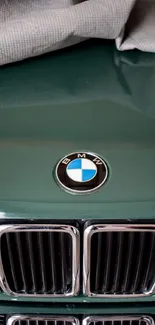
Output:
x=81 y=187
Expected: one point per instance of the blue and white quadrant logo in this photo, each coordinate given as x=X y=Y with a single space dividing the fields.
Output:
x=81 y=170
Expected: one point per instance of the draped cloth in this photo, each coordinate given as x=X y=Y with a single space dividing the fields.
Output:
x=32 y=27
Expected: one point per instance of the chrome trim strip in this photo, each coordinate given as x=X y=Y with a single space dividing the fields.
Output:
x=74 y=232
x=89 y=231
x=12 y=320
x=147 y=319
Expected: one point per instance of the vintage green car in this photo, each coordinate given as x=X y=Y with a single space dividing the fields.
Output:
x=68 y=258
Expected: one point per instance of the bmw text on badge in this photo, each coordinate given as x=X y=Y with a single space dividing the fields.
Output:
x=81 y=172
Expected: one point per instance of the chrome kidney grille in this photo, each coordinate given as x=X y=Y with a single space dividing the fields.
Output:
x=44 y=260
x=40 y=260
x=118 y=320
x=119 y=260
x=42 y=320
x=90 y=320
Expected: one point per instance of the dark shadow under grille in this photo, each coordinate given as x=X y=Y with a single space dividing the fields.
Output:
x=37 y=262
x=122 y=262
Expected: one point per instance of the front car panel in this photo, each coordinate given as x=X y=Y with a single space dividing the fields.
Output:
x=100 y=108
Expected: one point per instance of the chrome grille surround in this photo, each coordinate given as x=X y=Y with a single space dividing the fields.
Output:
x=100 y=228
x=147 y=320
x=27 y=318
x=54 y=228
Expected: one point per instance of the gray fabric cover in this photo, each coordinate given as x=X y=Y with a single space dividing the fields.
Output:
x=32 y=27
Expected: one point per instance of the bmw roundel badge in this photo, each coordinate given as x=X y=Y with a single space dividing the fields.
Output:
x=81 y=172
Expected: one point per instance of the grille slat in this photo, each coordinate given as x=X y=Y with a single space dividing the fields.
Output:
x=37 y=262
x=119 y=261
x=97 y=280
x=63 y=261
x=128 y=265
x=52 y=263
x=106 y=277
x=11 y=262
x=21 y=260
x=42 y=262
x=140 y=256
x=31 y=261
x=149 y=262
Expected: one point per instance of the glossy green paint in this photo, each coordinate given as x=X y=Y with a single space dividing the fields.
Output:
x=87 y=98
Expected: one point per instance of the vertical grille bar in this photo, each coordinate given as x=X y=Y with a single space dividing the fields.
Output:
x=21 y=260
x=130 y=250
x=119 y=260
x=118 y=263
x=97 y=280
x=40 y=262
x=150 y=258
x=106 y=276
x=140 y=256
x=31 y=262
x=11 y=262
x=52 y=263
x=63 y=260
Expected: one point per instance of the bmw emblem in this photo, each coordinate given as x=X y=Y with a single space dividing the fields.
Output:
x=81 y=172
